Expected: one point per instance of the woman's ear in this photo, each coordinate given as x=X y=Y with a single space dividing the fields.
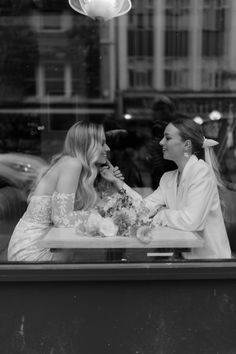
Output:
x=188 y=145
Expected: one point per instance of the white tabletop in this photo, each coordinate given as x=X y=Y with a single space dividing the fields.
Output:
x=162 y=237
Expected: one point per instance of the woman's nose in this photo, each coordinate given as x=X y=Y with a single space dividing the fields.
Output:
x=107 y=148
x=162 y=141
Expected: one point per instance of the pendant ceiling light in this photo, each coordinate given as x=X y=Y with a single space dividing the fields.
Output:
x=101 y=9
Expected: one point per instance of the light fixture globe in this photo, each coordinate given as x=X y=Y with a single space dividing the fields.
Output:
x=101 y=9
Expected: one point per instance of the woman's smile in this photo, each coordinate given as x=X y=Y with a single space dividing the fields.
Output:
x=103 y=155
x=172 y=145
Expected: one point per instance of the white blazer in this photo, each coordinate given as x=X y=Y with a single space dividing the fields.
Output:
x=194 y=206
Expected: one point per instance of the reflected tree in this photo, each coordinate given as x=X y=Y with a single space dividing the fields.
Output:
x=84 y=51
x=18 y=56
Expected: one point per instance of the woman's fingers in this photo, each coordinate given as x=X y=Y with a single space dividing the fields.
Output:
x=118 y=173
x=120 y=176
x=109 y=164
x=114 y=170
x=103 y=170
x=151 y=215
x=154 y=212
x=107 y=174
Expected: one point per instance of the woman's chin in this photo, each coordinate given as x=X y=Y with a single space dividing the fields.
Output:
x=165 y=157
x=101 y=162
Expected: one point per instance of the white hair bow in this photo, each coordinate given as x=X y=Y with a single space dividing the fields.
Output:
x=209 y=143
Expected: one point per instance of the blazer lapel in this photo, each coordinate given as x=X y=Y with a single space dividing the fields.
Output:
x=172 y=190
x=192 y=160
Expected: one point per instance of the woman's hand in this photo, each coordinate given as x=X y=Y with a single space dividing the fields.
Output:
x=112 y=175
x=107 y=174
x=154 y=212
x=116 y=171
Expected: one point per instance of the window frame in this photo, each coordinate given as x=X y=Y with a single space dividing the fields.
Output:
x=177 y=270
x=132 y=270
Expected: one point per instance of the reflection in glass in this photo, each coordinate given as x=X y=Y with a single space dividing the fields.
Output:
x=101 y=9
x=58 y=67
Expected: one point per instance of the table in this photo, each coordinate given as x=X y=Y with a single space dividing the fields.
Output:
x=162 y=238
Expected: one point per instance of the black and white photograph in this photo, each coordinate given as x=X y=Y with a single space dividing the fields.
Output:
x=117 y=176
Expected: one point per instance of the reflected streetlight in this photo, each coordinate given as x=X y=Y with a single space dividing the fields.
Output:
x=128 y=116
x=215 y=115
x=198 y=120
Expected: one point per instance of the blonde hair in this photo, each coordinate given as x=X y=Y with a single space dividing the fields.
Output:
x=84 y=142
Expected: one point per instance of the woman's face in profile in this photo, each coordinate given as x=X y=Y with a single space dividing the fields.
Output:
x=103 y=154
x=172 y=144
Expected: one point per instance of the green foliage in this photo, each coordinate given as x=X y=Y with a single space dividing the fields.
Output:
x=84 y=50
x=15 y=7
x=19 y=52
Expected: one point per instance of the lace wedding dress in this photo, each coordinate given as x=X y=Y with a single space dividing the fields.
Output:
x=42 y=212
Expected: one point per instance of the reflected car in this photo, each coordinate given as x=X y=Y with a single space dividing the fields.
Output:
x=20 y=170
x=17 y=174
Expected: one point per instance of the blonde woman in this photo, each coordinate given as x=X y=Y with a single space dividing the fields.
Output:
x=188 y=197
x=65 y=191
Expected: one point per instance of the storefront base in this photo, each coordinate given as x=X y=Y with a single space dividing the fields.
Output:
x=154 y=316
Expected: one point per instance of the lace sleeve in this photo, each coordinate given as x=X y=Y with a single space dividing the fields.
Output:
x=63 y=214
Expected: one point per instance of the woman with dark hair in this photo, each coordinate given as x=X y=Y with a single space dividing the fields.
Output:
x=163 y=113
x=188 y=197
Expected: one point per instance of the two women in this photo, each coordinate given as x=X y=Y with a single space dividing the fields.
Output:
x=186 y=199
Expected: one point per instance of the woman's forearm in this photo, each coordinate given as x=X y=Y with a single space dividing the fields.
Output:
x=118 y=184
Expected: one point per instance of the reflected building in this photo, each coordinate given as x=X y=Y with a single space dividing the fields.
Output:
x=58 y=66
x=184 y=49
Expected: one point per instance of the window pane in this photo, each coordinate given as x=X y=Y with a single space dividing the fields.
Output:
x=135 y=73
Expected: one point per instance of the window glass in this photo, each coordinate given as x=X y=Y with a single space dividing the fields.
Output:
x=51 y=22
x=136 y=73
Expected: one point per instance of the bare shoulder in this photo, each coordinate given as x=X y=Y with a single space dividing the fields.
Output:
x=63 y=176
x=69 y=164
x=69 y=170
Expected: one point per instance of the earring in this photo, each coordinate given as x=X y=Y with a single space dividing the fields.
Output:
x=186 y=155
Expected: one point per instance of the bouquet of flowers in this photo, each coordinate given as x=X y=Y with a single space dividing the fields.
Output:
x=121 y=216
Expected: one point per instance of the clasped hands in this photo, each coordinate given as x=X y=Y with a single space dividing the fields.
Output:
x=111 y=173
x=154 y=214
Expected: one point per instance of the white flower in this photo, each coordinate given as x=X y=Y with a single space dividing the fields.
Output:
x=125 y=216
x=79 y=228
x=143 y=234
x=110 y=203
x=93 y=222
x=132 y=215
x=138 y=204
x=107 y=227
x=144 y=219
